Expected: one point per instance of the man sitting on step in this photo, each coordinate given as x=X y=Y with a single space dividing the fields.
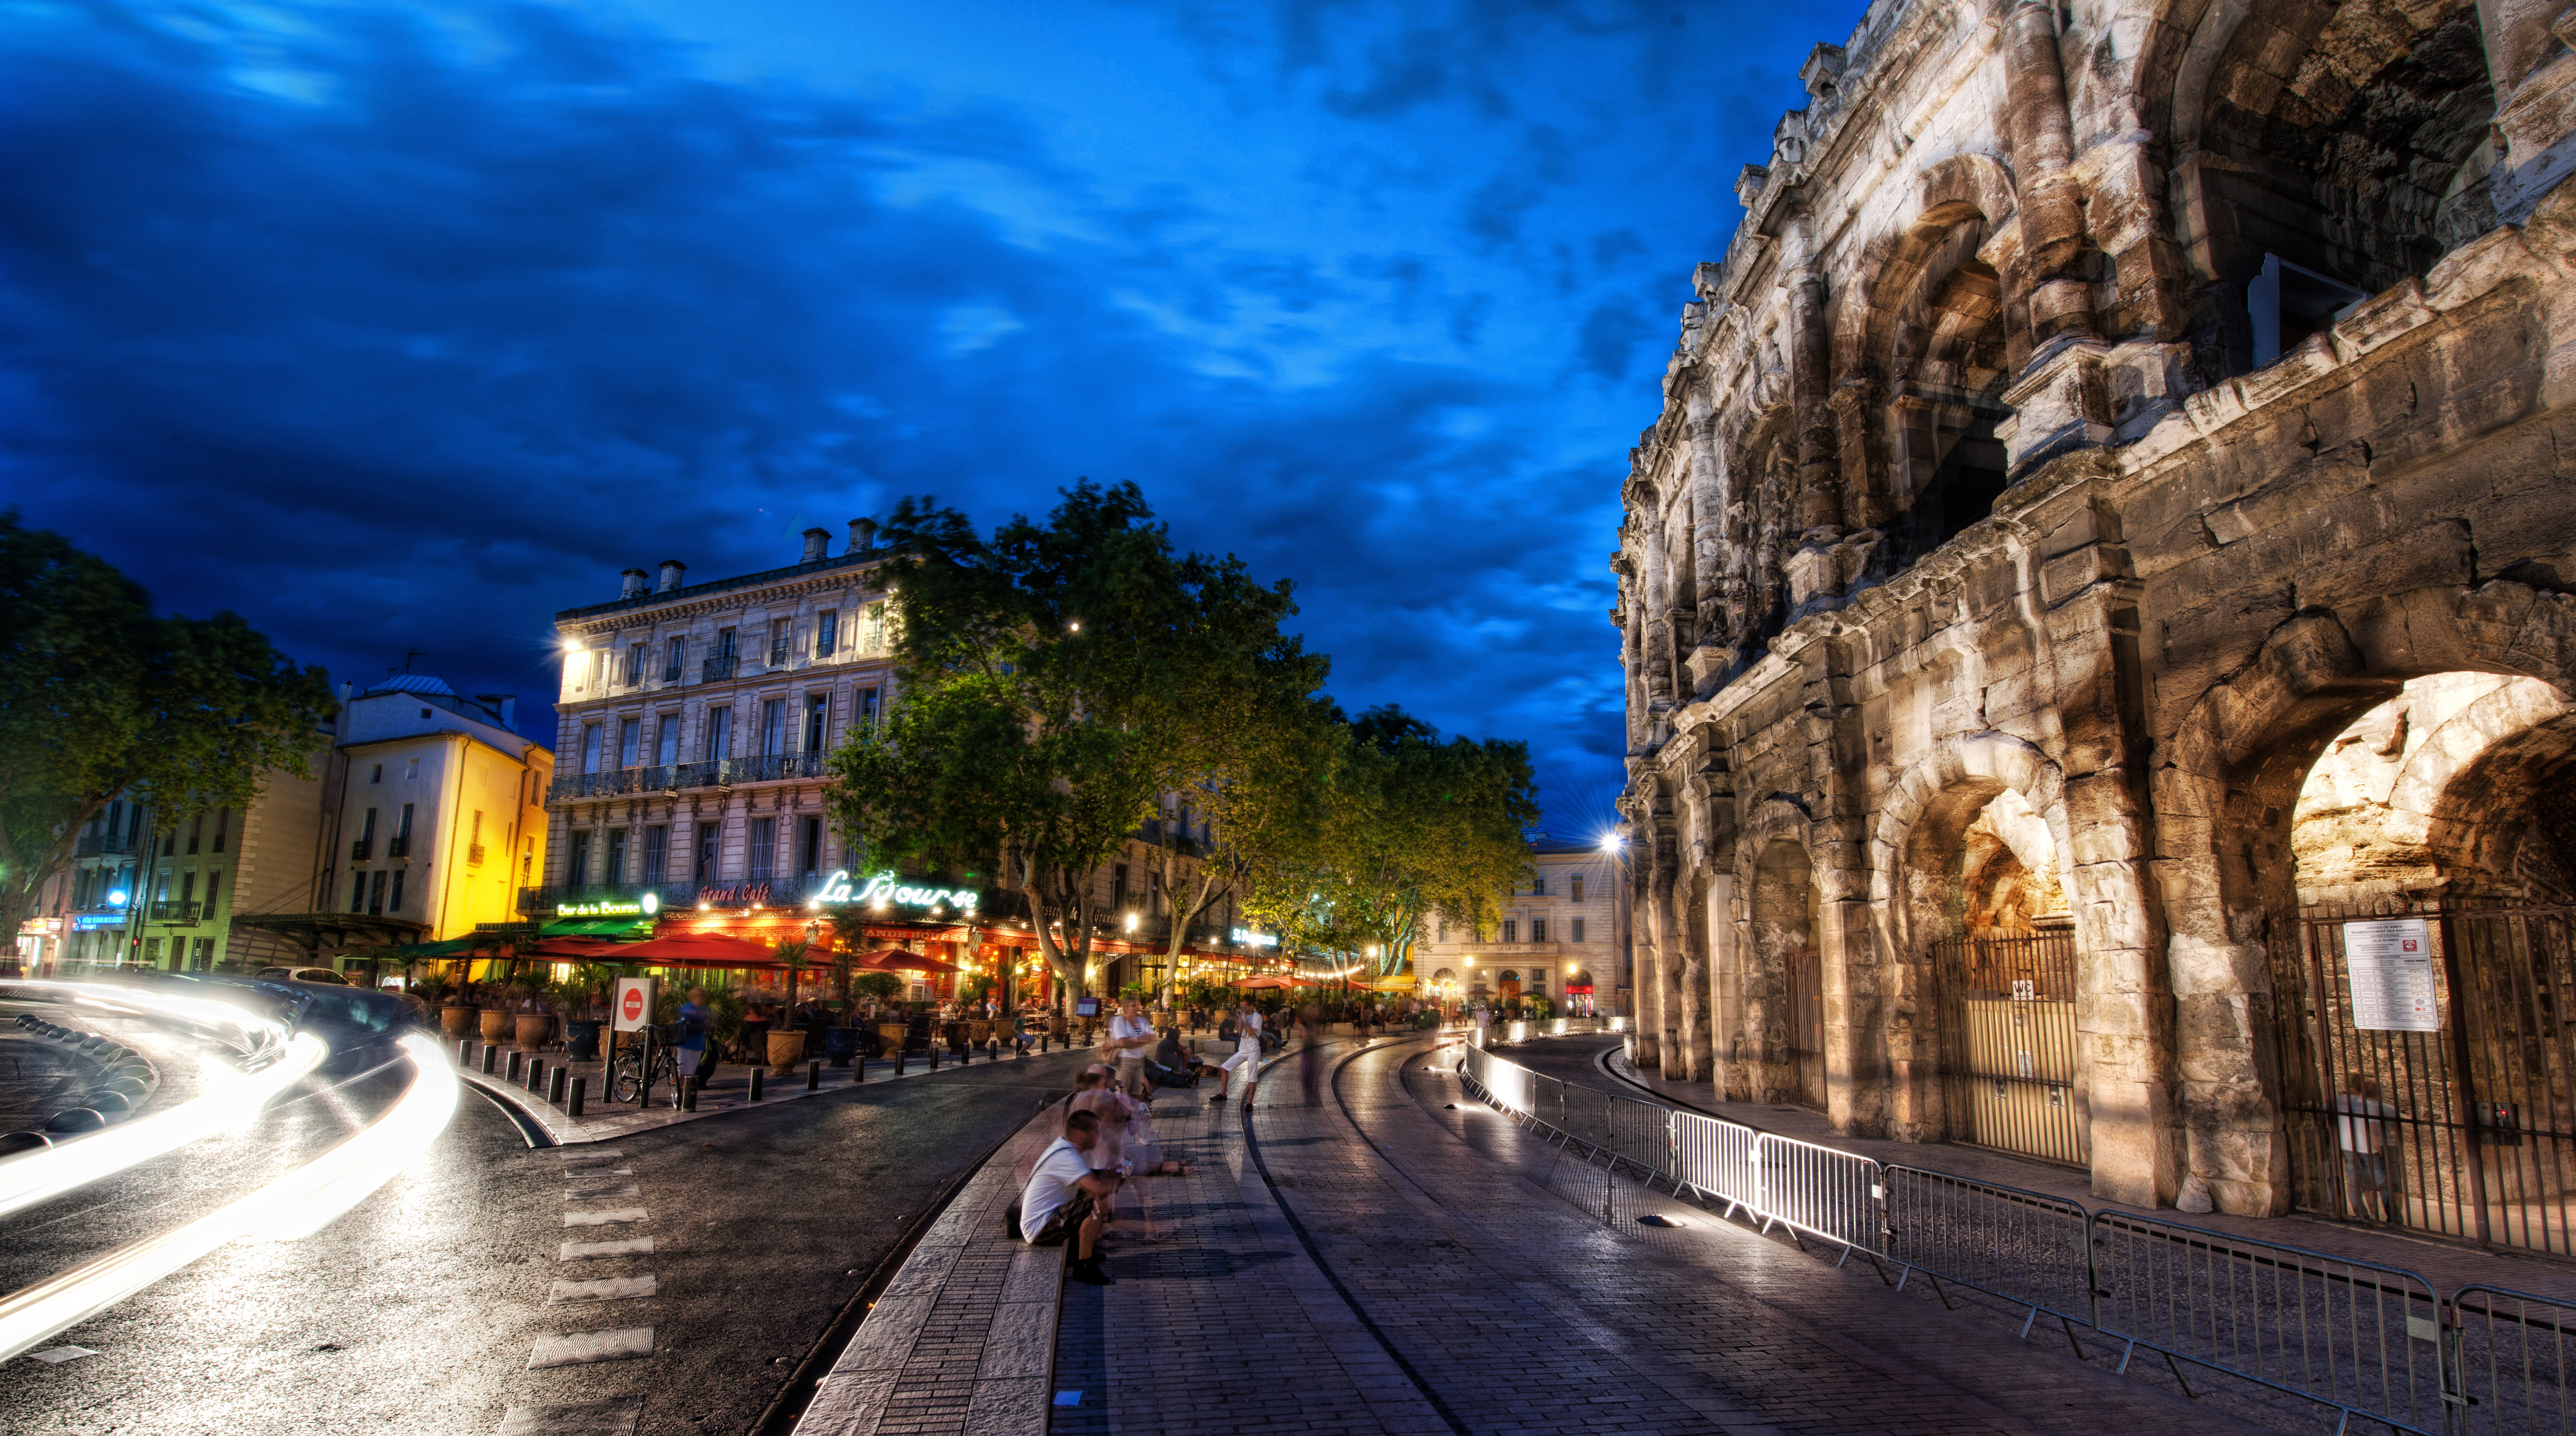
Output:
x=1065 y=1197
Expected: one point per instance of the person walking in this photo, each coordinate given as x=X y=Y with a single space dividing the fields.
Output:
x=1129 y=1035
x=1247 y=1052
x=695 y=1057
x=1310 y=1056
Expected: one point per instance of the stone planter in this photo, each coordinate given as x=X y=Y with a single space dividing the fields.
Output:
x=535 y=1028
x=581 y=1041
x=496 y=1024
x=785 y=1048
x=456 y=1021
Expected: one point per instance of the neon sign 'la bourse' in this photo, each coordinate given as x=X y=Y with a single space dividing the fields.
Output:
x=884 y=888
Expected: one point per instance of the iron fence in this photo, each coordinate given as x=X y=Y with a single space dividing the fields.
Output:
x=2364 y=1339
x=2509 y=1356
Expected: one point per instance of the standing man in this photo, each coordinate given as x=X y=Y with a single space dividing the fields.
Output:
x=1129 y=1035
x=1247 y=1052
x=691 y=1059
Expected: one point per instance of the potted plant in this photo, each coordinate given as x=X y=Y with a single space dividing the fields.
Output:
x=576 y=999
x=787 y=1044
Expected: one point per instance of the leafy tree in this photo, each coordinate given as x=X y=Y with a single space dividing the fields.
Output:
x=1407 y=830
x=101 y=699
x=1053 y=683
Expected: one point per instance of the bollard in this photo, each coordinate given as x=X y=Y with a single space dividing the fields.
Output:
x=536 y=1074
x=555 y=1094
x=695 y=1086
x=580 y=1089
x=814 y=1075
x=755 y=1084
x=934 y=1056
x=465 y=1052
x=859 y=1067
x=1021 y=1047
x=992 y=1049
x=491 y=1059
x=901 y=1056
x=518 y=1067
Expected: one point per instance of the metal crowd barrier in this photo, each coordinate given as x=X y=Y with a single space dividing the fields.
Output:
x=2368 y=1340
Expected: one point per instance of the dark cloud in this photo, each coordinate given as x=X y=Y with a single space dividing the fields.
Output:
x=399 y=330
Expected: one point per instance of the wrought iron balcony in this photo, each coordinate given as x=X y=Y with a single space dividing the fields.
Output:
x=671 y=674
x=778 y=656
x=674 y=777
x=104 y=844
x=177 y=914
x=474 y=855
x=398 y=847
x=717 y=668
x=360 y=849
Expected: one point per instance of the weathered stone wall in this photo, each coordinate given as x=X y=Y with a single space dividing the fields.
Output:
x=1977 y=576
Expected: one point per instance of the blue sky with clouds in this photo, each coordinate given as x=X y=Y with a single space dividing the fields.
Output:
x=397 y=327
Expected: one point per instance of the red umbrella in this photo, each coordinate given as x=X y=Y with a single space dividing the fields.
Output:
x=697 y=949
x=1269 y=982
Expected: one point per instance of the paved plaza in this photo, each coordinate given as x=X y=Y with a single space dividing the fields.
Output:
x=1401 y=1258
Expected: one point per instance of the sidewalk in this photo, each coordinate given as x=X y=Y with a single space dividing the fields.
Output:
x=2447 y=1265
x=603 y=1121
x=1403 y=1259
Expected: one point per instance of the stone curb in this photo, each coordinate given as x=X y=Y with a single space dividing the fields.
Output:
x=1011 y=1385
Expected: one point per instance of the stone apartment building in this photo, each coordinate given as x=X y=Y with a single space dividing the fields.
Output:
x=2110 y=502
x=1557 y=938
x=693 y=723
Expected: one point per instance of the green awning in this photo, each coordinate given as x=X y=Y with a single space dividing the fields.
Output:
x=608 y=927
x=453 y=947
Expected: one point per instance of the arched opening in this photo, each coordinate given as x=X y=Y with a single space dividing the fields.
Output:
x=1790 y=974
x=1986 y=899
x=2432 y=1070
x=2332 y=152
x=1509 y=982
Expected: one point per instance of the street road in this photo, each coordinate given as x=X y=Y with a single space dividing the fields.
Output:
x=419 y=1310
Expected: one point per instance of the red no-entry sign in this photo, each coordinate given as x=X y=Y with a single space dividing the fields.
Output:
x=633 y=1007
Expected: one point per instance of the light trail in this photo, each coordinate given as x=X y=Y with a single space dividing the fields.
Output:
x=297 y=1204
x=237 y=1100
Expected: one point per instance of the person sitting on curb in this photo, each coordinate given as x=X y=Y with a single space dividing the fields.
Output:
x=1182 y=1063
x=1065 y=1197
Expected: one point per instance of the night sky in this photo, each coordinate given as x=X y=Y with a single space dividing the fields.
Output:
x=400 y=328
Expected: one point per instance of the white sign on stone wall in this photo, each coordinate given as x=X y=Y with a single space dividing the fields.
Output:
x=2389 y=964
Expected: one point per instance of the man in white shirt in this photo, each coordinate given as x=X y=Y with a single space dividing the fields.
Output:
x=1129 y=1035
x=1247 y=1052
x=1064 y=1196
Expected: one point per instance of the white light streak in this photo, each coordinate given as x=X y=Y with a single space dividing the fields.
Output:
x=301 y=1202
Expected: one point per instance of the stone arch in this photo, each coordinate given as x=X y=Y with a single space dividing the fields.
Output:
x=2334 y=151
x=2225 y=783
x=1780 y=1051
x=2502 y=826
x=1965 y=768
x=1937 y=332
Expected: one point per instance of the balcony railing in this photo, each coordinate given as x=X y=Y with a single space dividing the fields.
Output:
x=674 y=777
x=398 y=847
x=103 y=844
x=360 y=849
x=177 y=914
x=778 y=656
x=718 y=668
x=474 y=855
x=671 y=673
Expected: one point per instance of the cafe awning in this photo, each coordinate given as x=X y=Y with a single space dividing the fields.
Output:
x=896 y=959
x=608 y=927
x=697 y=949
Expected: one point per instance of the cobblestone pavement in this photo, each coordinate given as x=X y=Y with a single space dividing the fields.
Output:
x=1383 y=1263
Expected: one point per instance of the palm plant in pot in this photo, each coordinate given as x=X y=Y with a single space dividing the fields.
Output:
x=787 y=1044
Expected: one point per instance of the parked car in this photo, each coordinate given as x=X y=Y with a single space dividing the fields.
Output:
x=302 y=974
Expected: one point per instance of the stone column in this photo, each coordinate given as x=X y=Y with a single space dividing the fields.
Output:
x=1725 y=982
x=2043 y=155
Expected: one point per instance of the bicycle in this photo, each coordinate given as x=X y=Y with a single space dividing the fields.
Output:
x=627 y=1074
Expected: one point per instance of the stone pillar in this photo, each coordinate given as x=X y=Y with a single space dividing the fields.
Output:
x=2535 y=90
x=1725 y=983
x=2043 y=155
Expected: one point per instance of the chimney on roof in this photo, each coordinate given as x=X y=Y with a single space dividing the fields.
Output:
x=863 y=535
x=672 y=570
x=636 y=580
x=507 y=704
x=818 y=545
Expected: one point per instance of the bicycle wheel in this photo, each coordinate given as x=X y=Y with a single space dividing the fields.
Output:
x=624 y=1078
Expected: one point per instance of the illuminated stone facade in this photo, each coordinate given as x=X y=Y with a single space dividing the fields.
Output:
x=2100 y=415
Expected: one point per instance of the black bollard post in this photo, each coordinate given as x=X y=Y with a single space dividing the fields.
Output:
x=859 y=1067
x=491 y=1059
x=755 y=1084
x=814 y=1075
x=934 y=1054
x=518 y=1067
x=555 y=1093
x=580 y=1089
x=465 y=1053
x=536 y=1074
x=902 y=1055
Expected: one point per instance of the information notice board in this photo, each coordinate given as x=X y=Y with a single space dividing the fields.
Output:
x=2389 y=964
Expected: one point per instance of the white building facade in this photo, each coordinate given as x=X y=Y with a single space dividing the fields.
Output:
x=1557 y=938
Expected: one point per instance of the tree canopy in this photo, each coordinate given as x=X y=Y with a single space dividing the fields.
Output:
x=1405 y=829
x=100 y=698
x=1054 y=683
